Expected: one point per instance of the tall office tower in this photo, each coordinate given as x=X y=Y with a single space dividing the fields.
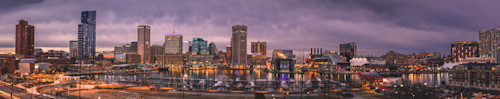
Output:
x=348 y=50
x=86 y=37
x=259 y=47
x=143 y=32
x=239 y=47
x=488 y=44
x=173 y=43
x=199 y=46
x=25 y=38
x=462 y=50
x=133 y=47
x=212 y=49
x=73 y=49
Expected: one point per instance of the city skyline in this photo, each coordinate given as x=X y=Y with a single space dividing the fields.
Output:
x=279 y=49
x=409 y=33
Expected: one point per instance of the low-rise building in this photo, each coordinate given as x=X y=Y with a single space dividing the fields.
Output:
x=172 y=59
x=8 y=64
x=484 y=76
x=477 y=60
x=257 y=60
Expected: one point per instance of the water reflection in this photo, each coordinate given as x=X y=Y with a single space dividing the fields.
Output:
x=252 y=75
x=431 y=79
x=248 y=75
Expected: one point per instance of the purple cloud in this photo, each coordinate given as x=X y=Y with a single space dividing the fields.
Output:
x=376 y=26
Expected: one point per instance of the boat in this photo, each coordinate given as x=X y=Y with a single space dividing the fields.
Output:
x=146 y=69
x=218 y=84
x=163 y=68
x=308 y=83
x=284 y=85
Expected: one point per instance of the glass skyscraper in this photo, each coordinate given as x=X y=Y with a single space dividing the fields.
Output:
x=87 y=37
x=199 y=46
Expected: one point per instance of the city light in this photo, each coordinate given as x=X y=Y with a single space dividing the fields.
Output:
x=249 y=49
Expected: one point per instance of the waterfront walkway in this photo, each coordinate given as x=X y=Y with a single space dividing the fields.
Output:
x=33 y=90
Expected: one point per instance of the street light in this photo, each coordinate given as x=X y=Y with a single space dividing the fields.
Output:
x=56 y=93
x=184 y=85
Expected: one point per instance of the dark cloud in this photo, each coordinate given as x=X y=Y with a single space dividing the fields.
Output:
x=9 y=5
x=376 y=26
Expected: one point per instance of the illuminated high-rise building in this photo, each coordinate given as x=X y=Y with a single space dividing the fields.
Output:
x=488 y=44
x=239 y=47
x=143 y=43
x=173 y=43
x=199 y=46
x=25 y=38
x=348 y=50
x=259 y=47
x=462 y=50
x=87 y=37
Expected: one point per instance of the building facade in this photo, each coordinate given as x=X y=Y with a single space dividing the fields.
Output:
x=393 y=58
x=488 y=43
x=462 y=50
x=239 y=47
x=156 y=50
x=228 y=54
x=186 y=47
x=25 y=38
x=476 y=75
x=73 y=49
x=173 y=44
x=212 y=49
x=476 y=60
x=199 y=47
x=87 y=37
x=259 y=47
x=257 y=60
x=133 y=47
x=143 y=43
x=283 y=54
x=348 y=50
x=122 y=48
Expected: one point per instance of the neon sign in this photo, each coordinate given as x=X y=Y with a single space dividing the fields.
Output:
x=284 y=66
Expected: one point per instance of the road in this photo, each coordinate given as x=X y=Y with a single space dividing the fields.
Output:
x=20 y=94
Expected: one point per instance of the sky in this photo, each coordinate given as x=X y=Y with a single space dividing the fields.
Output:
x=377 y=26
